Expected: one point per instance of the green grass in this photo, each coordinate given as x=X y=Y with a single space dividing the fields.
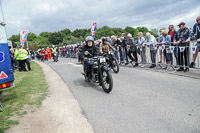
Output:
x=29 y=92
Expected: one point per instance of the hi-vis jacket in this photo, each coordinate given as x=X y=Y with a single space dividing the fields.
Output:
x=21 y=54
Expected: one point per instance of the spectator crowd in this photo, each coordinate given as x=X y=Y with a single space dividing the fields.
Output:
x=172 y=48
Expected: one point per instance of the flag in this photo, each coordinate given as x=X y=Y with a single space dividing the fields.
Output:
x=182 y=49
x=93 y=29
x=171 y=48
x=23 y=36
x=193 y=48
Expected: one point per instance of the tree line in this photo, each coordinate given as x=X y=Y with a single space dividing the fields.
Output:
x=66 y=36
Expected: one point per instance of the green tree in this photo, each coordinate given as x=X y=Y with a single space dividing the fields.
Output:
x=55 y=38
x=118 y=31
x=15 y=38
x=31 y=36
x=65 y=32
x=105 y=31
x=154 y=32
x=80 y=33
x=131 y=30
x=44 y=34
x=71 y=40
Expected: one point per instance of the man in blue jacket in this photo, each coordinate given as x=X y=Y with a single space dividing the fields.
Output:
x=196 y=34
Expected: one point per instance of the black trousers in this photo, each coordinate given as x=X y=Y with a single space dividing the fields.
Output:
x=183 y=57
x=20 y=65
x=134 y=53
x=26 y=62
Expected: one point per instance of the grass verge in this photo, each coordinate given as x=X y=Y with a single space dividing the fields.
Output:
x=29 y=92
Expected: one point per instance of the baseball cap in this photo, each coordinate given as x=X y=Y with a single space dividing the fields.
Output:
x=181 y=23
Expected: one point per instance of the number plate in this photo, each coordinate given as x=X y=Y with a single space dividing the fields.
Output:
x=102 y=60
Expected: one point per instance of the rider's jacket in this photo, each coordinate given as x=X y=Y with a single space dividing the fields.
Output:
x=105 y=47
x=92 y=50
x=43 y=52
x=53 y=50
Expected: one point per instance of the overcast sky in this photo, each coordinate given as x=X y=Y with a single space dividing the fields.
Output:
x=54 y=15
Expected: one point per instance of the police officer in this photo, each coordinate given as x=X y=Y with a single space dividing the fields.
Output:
x=22 y=55
x=89 y=50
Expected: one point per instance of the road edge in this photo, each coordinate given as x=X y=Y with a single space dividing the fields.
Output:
x=78 y=112
x=59 y=112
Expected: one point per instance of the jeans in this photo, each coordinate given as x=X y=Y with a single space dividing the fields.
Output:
x=125 y=56
x=153 y=57
x=176 y=55
x=168 y=57
x=143 y=55
x=63 y=53
x=116 y=55
x=86 y=68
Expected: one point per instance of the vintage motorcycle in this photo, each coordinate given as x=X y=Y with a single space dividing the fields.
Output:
x=99 y=72
x=112 y=61
x=55 y=57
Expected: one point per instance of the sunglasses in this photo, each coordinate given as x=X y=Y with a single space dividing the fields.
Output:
x=198 y=20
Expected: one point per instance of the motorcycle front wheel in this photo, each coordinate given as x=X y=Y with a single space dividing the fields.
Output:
x=115 y=66
x=107 y=81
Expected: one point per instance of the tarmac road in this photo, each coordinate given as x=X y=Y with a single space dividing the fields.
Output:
x=142 y=101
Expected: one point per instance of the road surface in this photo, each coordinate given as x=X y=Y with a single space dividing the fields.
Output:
x=142 y=101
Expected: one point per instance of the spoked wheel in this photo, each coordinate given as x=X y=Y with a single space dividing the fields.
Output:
x=107 y=81
x=115 y=66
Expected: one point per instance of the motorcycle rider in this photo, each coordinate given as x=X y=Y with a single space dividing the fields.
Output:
x=53 y=50
x=88 y=51
x=43 y=52
x=105 y=46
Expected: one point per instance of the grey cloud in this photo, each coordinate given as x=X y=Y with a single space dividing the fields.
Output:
x=51 y=15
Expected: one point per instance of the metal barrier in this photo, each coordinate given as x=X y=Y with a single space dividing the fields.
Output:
x=171 y=57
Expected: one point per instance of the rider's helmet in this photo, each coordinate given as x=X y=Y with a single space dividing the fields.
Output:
x=42 y=48
x=89 y=38
x=53 y=46
x=104 y=39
